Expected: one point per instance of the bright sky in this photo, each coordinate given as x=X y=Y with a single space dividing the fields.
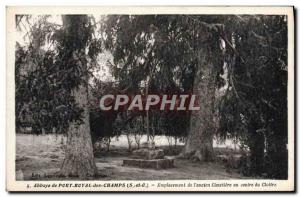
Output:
x=101 y=72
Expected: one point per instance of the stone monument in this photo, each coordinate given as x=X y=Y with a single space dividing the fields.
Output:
x=149 y=157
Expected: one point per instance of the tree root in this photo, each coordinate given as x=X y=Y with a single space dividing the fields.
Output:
x=196 y=156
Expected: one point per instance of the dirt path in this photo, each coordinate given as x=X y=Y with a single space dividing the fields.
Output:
x=111 y=168
x=184 y=169
x=41 y=158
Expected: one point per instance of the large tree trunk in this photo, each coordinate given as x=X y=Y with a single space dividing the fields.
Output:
x=79 y=158
x=199 y=144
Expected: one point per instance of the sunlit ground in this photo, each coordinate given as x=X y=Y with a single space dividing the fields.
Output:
x=40 y=157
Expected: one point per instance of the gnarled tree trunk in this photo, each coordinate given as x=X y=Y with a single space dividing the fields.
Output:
x=199 y=144
x=79 y=158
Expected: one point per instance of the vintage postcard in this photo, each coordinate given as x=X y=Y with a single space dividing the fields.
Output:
x=150 y=99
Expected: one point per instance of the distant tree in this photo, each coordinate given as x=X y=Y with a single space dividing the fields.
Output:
x=138 y=129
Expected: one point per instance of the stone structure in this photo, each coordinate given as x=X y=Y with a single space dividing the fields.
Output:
x=146 y=153
x=149 y=158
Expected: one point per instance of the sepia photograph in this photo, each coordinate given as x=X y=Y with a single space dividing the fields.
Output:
x=150 y=99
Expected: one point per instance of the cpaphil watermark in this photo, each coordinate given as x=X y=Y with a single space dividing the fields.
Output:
x=182 y=102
